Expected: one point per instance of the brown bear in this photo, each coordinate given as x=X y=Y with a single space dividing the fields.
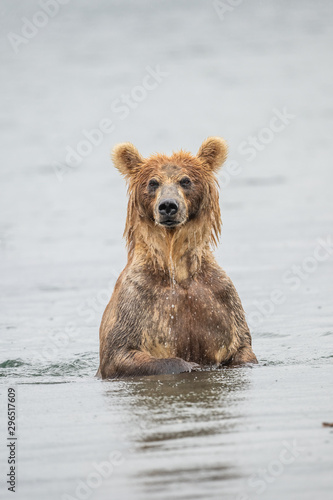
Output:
x=173 y=308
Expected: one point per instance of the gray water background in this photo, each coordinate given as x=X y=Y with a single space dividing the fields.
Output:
x=213 y=434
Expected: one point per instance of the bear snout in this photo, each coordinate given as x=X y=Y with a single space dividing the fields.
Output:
x=168 y=207
x=170 y=212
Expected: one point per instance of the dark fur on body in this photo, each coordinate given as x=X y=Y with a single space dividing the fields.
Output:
x=173 y=308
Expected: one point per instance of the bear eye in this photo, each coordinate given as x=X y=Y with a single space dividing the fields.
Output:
x=153 y=183
x=185 y=182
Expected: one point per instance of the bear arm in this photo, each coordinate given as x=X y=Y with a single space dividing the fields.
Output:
x=135 y=363
x=243 y=356
x=241 y=329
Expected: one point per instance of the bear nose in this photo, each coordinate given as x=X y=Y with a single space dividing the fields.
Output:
x=168 y=207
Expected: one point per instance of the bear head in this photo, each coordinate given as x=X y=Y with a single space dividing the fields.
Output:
x=172 y=191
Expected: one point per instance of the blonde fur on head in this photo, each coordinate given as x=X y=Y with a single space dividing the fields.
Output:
x=213 y=152
x=195 y=237
x=126 y=159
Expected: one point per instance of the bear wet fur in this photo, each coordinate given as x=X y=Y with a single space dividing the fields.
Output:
x=173 y=308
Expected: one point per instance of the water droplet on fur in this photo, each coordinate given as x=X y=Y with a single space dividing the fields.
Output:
x=172 y=272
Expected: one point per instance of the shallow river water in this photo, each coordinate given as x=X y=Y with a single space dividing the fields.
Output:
x=247 y=433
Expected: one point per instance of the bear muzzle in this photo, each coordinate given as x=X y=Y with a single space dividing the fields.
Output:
x=170 y=209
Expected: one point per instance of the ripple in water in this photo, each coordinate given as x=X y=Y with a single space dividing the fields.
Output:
x=79 y=366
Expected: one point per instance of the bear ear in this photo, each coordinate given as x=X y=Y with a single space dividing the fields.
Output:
x=213 y=152
x=126 y=159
